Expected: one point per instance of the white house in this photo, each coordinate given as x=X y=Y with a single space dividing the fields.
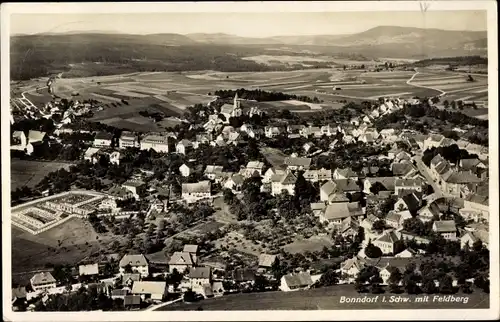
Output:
x=91 y=155
x=200 y=276
x=43 y=281
x=295 y=281
x=181 y=261
x=252 y=168
x=153 y=290
x=114 y=158
x=158 y=143
x=88 y=270
x=183 y=146
x=335 y=213
x=281 y=182
x=346 y=173
x=271 y=131
x=192 y=192
x=295 y=163
x=103 y=139
x=350 y=268
x=128 y=140
x=445 y=228
x=138 y=263
x=386 y=242
x=235 y=182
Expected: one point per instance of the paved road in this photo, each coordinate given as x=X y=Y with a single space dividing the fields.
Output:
x=438 y=193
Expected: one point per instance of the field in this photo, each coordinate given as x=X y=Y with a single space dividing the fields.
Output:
x=171 y=92
x=313 y=244
x=29 y=173
x=327 y=298
x=32 y=252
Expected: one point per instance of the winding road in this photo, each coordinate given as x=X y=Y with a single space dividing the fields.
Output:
x=422 y=86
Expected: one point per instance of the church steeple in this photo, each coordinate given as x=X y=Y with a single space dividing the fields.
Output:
x=236 y=102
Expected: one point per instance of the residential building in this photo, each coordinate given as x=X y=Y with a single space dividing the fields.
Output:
x=137 y=262
x=408 y=185
x=410 y=201
x=254 y=167
x=386 y=242
x=296 y=163
x=235 y=182
x=192 y=192
x=183 y=146
x=476 y=207
x=266 y=261
x=185 y=170
x=350 y=268
x=159 y=143
x=91 y=155
x=283 y=182
x=407 y=253
x=433 y=141
x=200 y=276
x=272 y=131
x=377 y=184
x=404 y=169
x=181 y=261
x=88 y=270
x=132 y=302
x=446 y=228
x=128 y=140
x=136 y=187
x=318 y=175
x=114 y=158
x=43 y=281
x=214 y=172
x=129 y=278
x=153 y=290
x=271 y=172
x=295 y=281
x=346 y=173
x=429 y=212
x=396 y=219
x=453 y=182
x=349 y=227
x=468 y=238
x=103 y=139
x=336 y=212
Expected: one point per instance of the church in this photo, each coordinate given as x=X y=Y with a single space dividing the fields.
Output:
x=229 y=110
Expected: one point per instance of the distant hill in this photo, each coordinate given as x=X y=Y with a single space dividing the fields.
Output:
x=42 y=54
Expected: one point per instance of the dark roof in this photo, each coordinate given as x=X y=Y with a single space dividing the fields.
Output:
x=412 y=201
x=103 y=136
x=300 y=279
x=387 y=182
x=347 y=185
x=199 y=272
x=132 y=300
x=19 y=292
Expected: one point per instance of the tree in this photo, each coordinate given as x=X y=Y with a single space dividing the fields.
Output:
x=372 y=251
x=428 y=286
x=446 y=285
x=375 y=282
x=189 y=296
x=446 y=104
x=329 y=278
x=453 y=105
x=379 y=226
x=394 y=279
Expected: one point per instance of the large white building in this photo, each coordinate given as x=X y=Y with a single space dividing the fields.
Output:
x=158 y=143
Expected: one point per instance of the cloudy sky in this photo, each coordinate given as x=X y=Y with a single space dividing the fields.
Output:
x=246 y=24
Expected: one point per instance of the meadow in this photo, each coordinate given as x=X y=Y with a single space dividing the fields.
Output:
x=29 y=173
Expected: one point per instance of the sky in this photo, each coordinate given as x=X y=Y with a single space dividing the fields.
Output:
x=246 y=24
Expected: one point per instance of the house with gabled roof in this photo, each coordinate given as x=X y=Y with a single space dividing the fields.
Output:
x=446 y=228
x=266 y=261
x=386 y=242
x=428 y=212
x=283 y=182
x=137 y=262
x=350 y=268
x=185 y=170
x=476 y=207
x=404 y=169
x=346 y=173
x=272 y=131
x=336 y=212
x=153 y=290
x=181 y=261
x=416 y=184
x=43 y=281
x=295 y=281
x=349 y=227
x=411 y=201
x=453 y=182
x=433 y=141
x=297 y=163
x=317 y=175
x=379 y=184
x=103 y=139
x=395 y=219
x=183 y=146
x=88 y=270
x=199 y=276
x=272 y=171
x=213 y=172
x=234 y=182
x=193 y=192
x=254 y=167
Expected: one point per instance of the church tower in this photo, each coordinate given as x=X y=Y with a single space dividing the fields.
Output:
x=236 y=103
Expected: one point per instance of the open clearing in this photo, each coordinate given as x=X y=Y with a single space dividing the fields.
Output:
x=313 y=244
x=326 y=298
x=32 y=252
x=29 y=173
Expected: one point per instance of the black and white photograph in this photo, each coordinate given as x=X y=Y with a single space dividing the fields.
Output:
x=249 y=159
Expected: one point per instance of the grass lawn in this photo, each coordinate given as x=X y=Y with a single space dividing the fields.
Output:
x=274 y=156
x=327 y=298
x=315 y=243
x=32 y=252
x=29 y=173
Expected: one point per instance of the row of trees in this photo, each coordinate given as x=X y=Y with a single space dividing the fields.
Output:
x=263 y=96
